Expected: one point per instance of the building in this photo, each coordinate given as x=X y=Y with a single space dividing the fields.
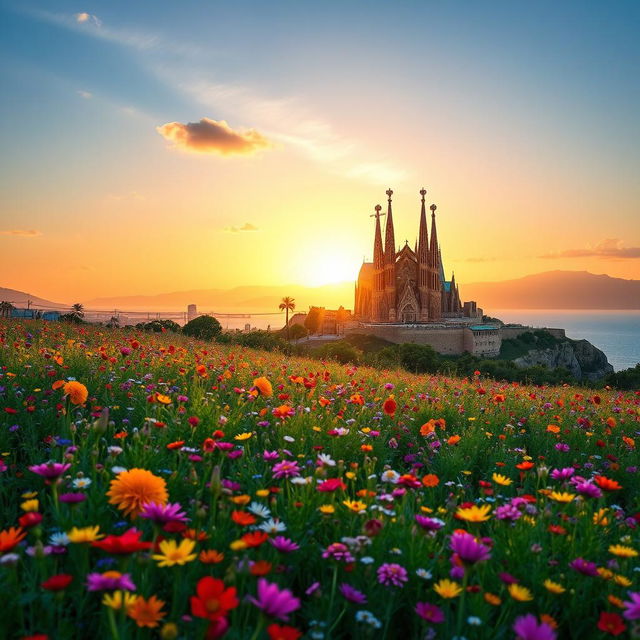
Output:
x=324 y=321
x=405 y=285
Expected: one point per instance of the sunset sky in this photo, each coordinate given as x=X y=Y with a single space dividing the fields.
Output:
x=520 y=119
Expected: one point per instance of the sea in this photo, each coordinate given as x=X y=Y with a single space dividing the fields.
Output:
x=617 y=333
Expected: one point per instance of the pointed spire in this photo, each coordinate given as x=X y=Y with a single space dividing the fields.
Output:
x=433 y=249
x=389 y=236
x=378 y=253
x=423 y=237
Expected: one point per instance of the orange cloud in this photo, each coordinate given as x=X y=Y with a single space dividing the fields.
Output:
x=213 y=136
x=609 y=248
x=21 y=233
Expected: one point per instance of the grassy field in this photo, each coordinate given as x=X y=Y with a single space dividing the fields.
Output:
x=155 y=486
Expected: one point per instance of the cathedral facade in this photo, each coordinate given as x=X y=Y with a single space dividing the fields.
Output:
x=405 y=285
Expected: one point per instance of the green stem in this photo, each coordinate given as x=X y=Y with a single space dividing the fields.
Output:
x=112 y=624
x=334 y=582
x=465 y=581
x=258 y=629
x=387 y=616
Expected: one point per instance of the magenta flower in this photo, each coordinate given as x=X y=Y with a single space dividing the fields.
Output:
x=286 y=469
x=562 y=474
x=430 y=612
x=72 y=498
x=391 y=574
x=109 y=581
x=585 y=567
x=270 y=455
x=284 y=545
x=429 y=524
x=275 y=602
x=508 y=512
x=351 y=594
x=163 y=513
x=468 y=549
x=527 y=628
x=50 y=470
x=588 y=489
x=632 y=607
x=338 y=551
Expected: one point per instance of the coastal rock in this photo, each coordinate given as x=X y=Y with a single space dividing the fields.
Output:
x=593 y=362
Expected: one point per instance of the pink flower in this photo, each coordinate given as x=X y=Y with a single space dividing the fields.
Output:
x=429 y=524
x=527 y=628
x=50 y=470
x=585 y=567
x=468 y=549
x=632 y=607
x=351 y=594
x=284 y=545
x=392 y=574
x=430 y=612
x=275 y=602
x=338 y=551
x=109 y=581
x=163 y=513
x=286 y=469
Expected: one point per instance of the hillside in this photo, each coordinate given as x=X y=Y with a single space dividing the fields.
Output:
x=555 y=290
x=20 y=298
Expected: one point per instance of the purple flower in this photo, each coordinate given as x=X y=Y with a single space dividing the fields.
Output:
x=429 y=524
x=430 y=612
x=507 y=578
x=338 y=551
x=468 y=549
x=562 y=474
x=585 y=567
x=50 y=470
x=72 y=498
x=275 y=602
x=286 y=469
x=163 y=513
x=312 y=589
x=508 y=512
x=391 y=574
x=109 y=581
x=588 y=489
x=562 y=446
x=632 y=607
x=527 y=628
x=352 y=594
x=284 y=545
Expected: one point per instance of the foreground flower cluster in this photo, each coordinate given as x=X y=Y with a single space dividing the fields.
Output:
x=152 y=486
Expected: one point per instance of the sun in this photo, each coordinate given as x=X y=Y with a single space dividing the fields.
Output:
x=328 y=268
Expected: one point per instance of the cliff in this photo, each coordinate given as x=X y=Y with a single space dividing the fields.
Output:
x=579 y=357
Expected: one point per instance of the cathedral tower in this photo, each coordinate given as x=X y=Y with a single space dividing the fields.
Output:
x=377 y=297
x=423 y=262
x=435 y=287
x=390 y=264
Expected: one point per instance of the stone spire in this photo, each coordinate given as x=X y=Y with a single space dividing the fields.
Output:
x=389 y=235
x=378 y=251
x=390 y=263
x=423 y=261
x=433 y=249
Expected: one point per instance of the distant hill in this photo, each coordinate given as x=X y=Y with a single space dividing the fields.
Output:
x=555 y=290
x=20 y=298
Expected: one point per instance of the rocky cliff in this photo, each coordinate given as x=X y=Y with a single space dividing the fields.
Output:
x=579 y=357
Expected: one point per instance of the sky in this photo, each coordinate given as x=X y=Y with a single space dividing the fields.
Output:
x=149 y=147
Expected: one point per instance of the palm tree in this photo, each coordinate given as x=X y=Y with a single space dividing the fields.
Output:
x=77 y=312
x=5 y=309
x=287 y=304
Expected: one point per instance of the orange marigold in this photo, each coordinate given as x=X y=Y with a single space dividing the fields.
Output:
x=131 y=490
x=263 y=386
x=76 y=391
x=147 y=613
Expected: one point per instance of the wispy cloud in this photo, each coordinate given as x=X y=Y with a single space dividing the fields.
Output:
x=212 y=136
x=611 y=248
x=21 y=233
x=87 y=95
x=247 y=226
x=87 y=17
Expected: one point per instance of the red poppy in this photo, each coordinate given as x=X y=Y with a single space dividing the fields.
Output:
x=30 y=519
x=213 y=599
x=611 y=623
x=128 y=542
x=283 y=632
x=255 y=538
x=242 y=518
x=390 y=406
x=58 y=582
x=606 y=484
x=332 y=484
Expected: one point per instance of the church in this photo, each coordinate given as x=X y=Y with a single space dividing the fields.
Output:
x=407 y=286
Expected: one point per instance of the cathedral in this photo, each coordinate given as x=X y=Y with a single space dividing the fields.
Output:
x=406 y=286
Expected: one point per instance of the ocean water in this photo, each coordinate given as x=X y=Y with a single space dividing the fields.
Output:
x=617 y=333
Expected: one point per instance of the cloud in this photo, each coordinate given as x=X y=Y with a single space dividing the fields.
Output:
x=213 y=136
x=611 y=248
x=87 y=17
x=85 y=94
x=21 y=233
x=247 y=226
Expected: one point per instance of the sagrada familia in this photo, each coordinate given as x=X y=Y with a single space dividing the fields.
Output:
x=407 y=286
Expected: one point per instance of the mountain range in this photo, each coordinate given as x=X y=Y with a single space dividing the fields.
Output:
x=548 y=290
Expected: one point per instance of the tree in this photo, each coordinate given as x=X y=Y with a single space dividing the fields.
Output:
x=5 y=309
x=203 y=327
x=114 y=322
x=287 y=304
x=418 y=358
x=312 y=321
x=77 y=312
x=298 y=331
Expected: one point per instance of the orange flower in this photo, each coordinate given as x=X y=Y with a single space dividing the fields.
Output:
x=499 y=397
x=210 y=556
x=366 y=447
x=9 y=538
x=606 y=484
x=356 y=398
x=630 y=442
x=428 y=427
x=76 y=391
x=263 y=386
x=260 y=568
x=553 y=428
x=525 y=466
x=242 y=518
x=130 y=490
x=175 y=445
x=58 y=384
x=430 y=480
x=192 y=534
x=283 y=411
x=390 y=406
x=146 y=613
x=453 y=440
x=255 y=538
x=611 y=422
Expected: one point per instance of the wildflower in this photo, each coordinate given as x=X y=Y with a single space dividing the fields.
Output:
x=273 y=601
x=430 y=480
x=430 y=612
x=242 y=518
x=131 y=490
x=273 y=526
x=213 y=600
x=338 y=551
x=468 y=549
x=622 y=551
x=286 y=469
x=606 y=484
x=84 y=534
x=389 y=406
x=354 y=505
x=163 y=513
x=392 y=574
x=284 y=545
x=492 y=599
x=146 y=613
x=429 y=524
x=611 y=623
x=474 y=513
x=119 y=600
x=351 y=594
x=283 y=632
x=128 y=542
x=263 y=386
x=172 y=553
x=9 y=538
x=330 y=485
x=326 y=509
x=259 y=510
x=553 y=587
x=519 y=593
x=50 y=470
x=76 y=391
x=632 y=607
x=58 y=582
x=446 y=588
x=583 y=566
x=210 y=556
x=109 y=581
x=366 y=617
x=562 y=496
x=508 y=512
x=527 y=628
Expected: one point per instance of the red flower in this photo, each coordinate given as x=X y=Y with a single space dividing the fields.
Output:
x=213 y=601
x=283 y=632
x=606 y=484
x=611 y=623
x=332 y=484
x=390 y=406
x=128 y=542
x=58 y=582
x=30 y=519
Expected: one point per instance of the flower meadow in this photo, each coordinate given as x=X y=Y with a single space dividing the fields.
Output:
x=154 y=486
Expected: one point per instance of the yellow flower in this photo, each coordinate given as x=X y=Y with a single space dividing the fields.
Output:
x=623 y=581
x=169 y=631
x=553 y=587
x=562 y=496
x=76 y=391
x=474 y=513
x=263 y=386
x=604 y=573
x=29 y=494
x=238 y=545
x=243 y=436
x=130 y=490
x=447 y=588
x=30 y=505
x=119 y=599
x=172 y=553
x=623 y=552
x=241 y=500
x=600 y=517
x=262 y=493
x=350 y=475
x=498 y=478
x=520 y=593
x=354 y=505
x=84 y=534
x=327 y=509
x=162 y=399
